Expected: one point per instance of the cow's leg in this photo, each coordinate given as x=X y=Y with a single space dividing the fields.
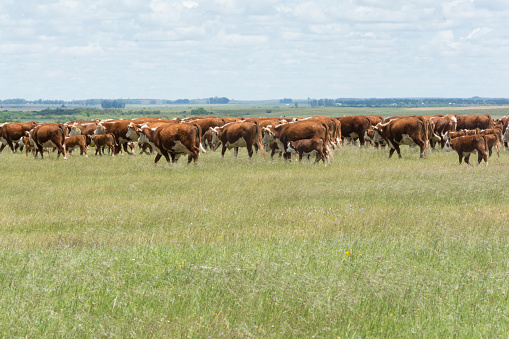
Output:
x=235 y=152
x=41 y=150
x=11 y=146
x=391 y=152
x=250 y=150
x=223 y=150
x=481 y=156
x=126 y=150
x=2 y=147
x=158 y=156
x=467 y=159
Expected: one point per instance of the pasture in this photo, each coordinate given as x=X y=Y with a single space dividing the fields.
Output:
x=365 y=247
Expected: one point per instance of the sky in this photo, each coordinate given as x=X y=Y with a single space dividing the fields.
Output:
x=253 y=50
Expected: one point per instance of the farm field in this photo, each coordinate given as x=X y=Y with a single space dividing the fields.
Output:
x=367 y=247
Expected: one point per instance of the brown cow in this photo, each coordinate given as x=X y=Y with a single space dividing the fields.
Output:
x=443 y=125
x=25 y=142
x=403 y=131
x=238 y=134
x=13 y=131
x=119 y=129
x=103 y=140
x=173 y=140
x=284 y=133
x=354 y=127
x=467 y=145
x=83 y=128
x=308 y=147
x=77 y=141
x=49 y=135
x=474 y=121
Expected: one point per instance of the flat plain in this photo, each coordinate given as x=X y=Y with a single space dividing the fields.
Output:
x=367 y=247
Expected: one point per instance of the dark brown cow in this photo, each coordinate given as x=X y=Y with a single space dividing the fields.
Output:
x=49 y=135
x=308 y=147
x=474 y=121
x=173 y=140
x=238 y=134
x=13 y=131
x=467 y=145
x=403 y=131
x=284 y=133
x=103 y=140
x=354 y=127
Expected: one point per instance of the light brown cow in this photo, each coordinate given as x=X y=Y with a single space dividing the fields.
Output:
x=77 y=141
x=238 y=134
x=466 y=145
x=49 y=135
x=404 y=131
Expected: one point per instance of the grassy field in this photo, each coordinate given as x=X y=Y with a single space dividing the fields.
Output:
x=367 y=247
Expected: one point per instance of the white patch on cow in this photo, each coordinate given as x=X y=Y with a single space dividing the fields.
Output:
x=406 y=140
x=180 y=148
x=49 y=143
x=241 y=142
x=448 y=147
x=131 y=134
x=74 y=131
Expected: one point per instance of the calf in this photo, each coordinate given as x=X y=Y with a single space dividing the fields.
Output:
x=102 y=140
x=77 y=141
x=467 y=145
x=308 y=147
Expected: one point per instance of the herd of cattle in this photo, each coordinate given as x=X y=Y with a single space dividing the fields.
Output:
x=315 y=136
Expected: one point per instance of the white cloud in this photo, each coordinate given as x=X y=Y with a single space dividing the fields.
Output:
x=256 y=49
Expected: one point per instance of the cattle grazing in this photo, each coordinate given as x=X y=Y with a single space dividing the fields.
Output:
x=49 y=135
x=284 y=133
x=103 y=140
x=173 y=140
x=82 y=128
x=238 y=134
x=119 y=129
x=12 y=132
x=404 y=131
x=77 y=141
x=467 y=145
x=308 y=147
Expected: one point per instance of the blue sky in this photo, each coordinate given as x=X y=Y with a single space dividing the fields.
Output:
x=250 y=50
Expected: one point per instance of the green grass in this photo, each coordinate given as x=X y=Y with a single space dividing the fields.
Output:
x=367 y=247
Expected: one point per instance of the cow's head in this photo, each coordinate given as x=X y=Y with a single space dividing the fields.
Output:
x=448 y=146
x=445 y=136
x=91 y=140
x=214 y=137
x=290 y=147
x=268 y=135
x=74 y=131
x=132 y=133
x=378 y=130
x=100 y=129
x=505 y=137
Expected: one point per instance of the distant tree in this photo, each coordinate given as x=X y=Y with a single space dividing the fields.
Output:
x=286 y=101
x=119 y=103
x=216 y=100
x=199 y=111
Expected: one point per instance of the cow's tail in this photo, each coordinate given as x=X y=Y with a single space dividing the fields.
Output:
x=199 y=138
x=258 y=137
